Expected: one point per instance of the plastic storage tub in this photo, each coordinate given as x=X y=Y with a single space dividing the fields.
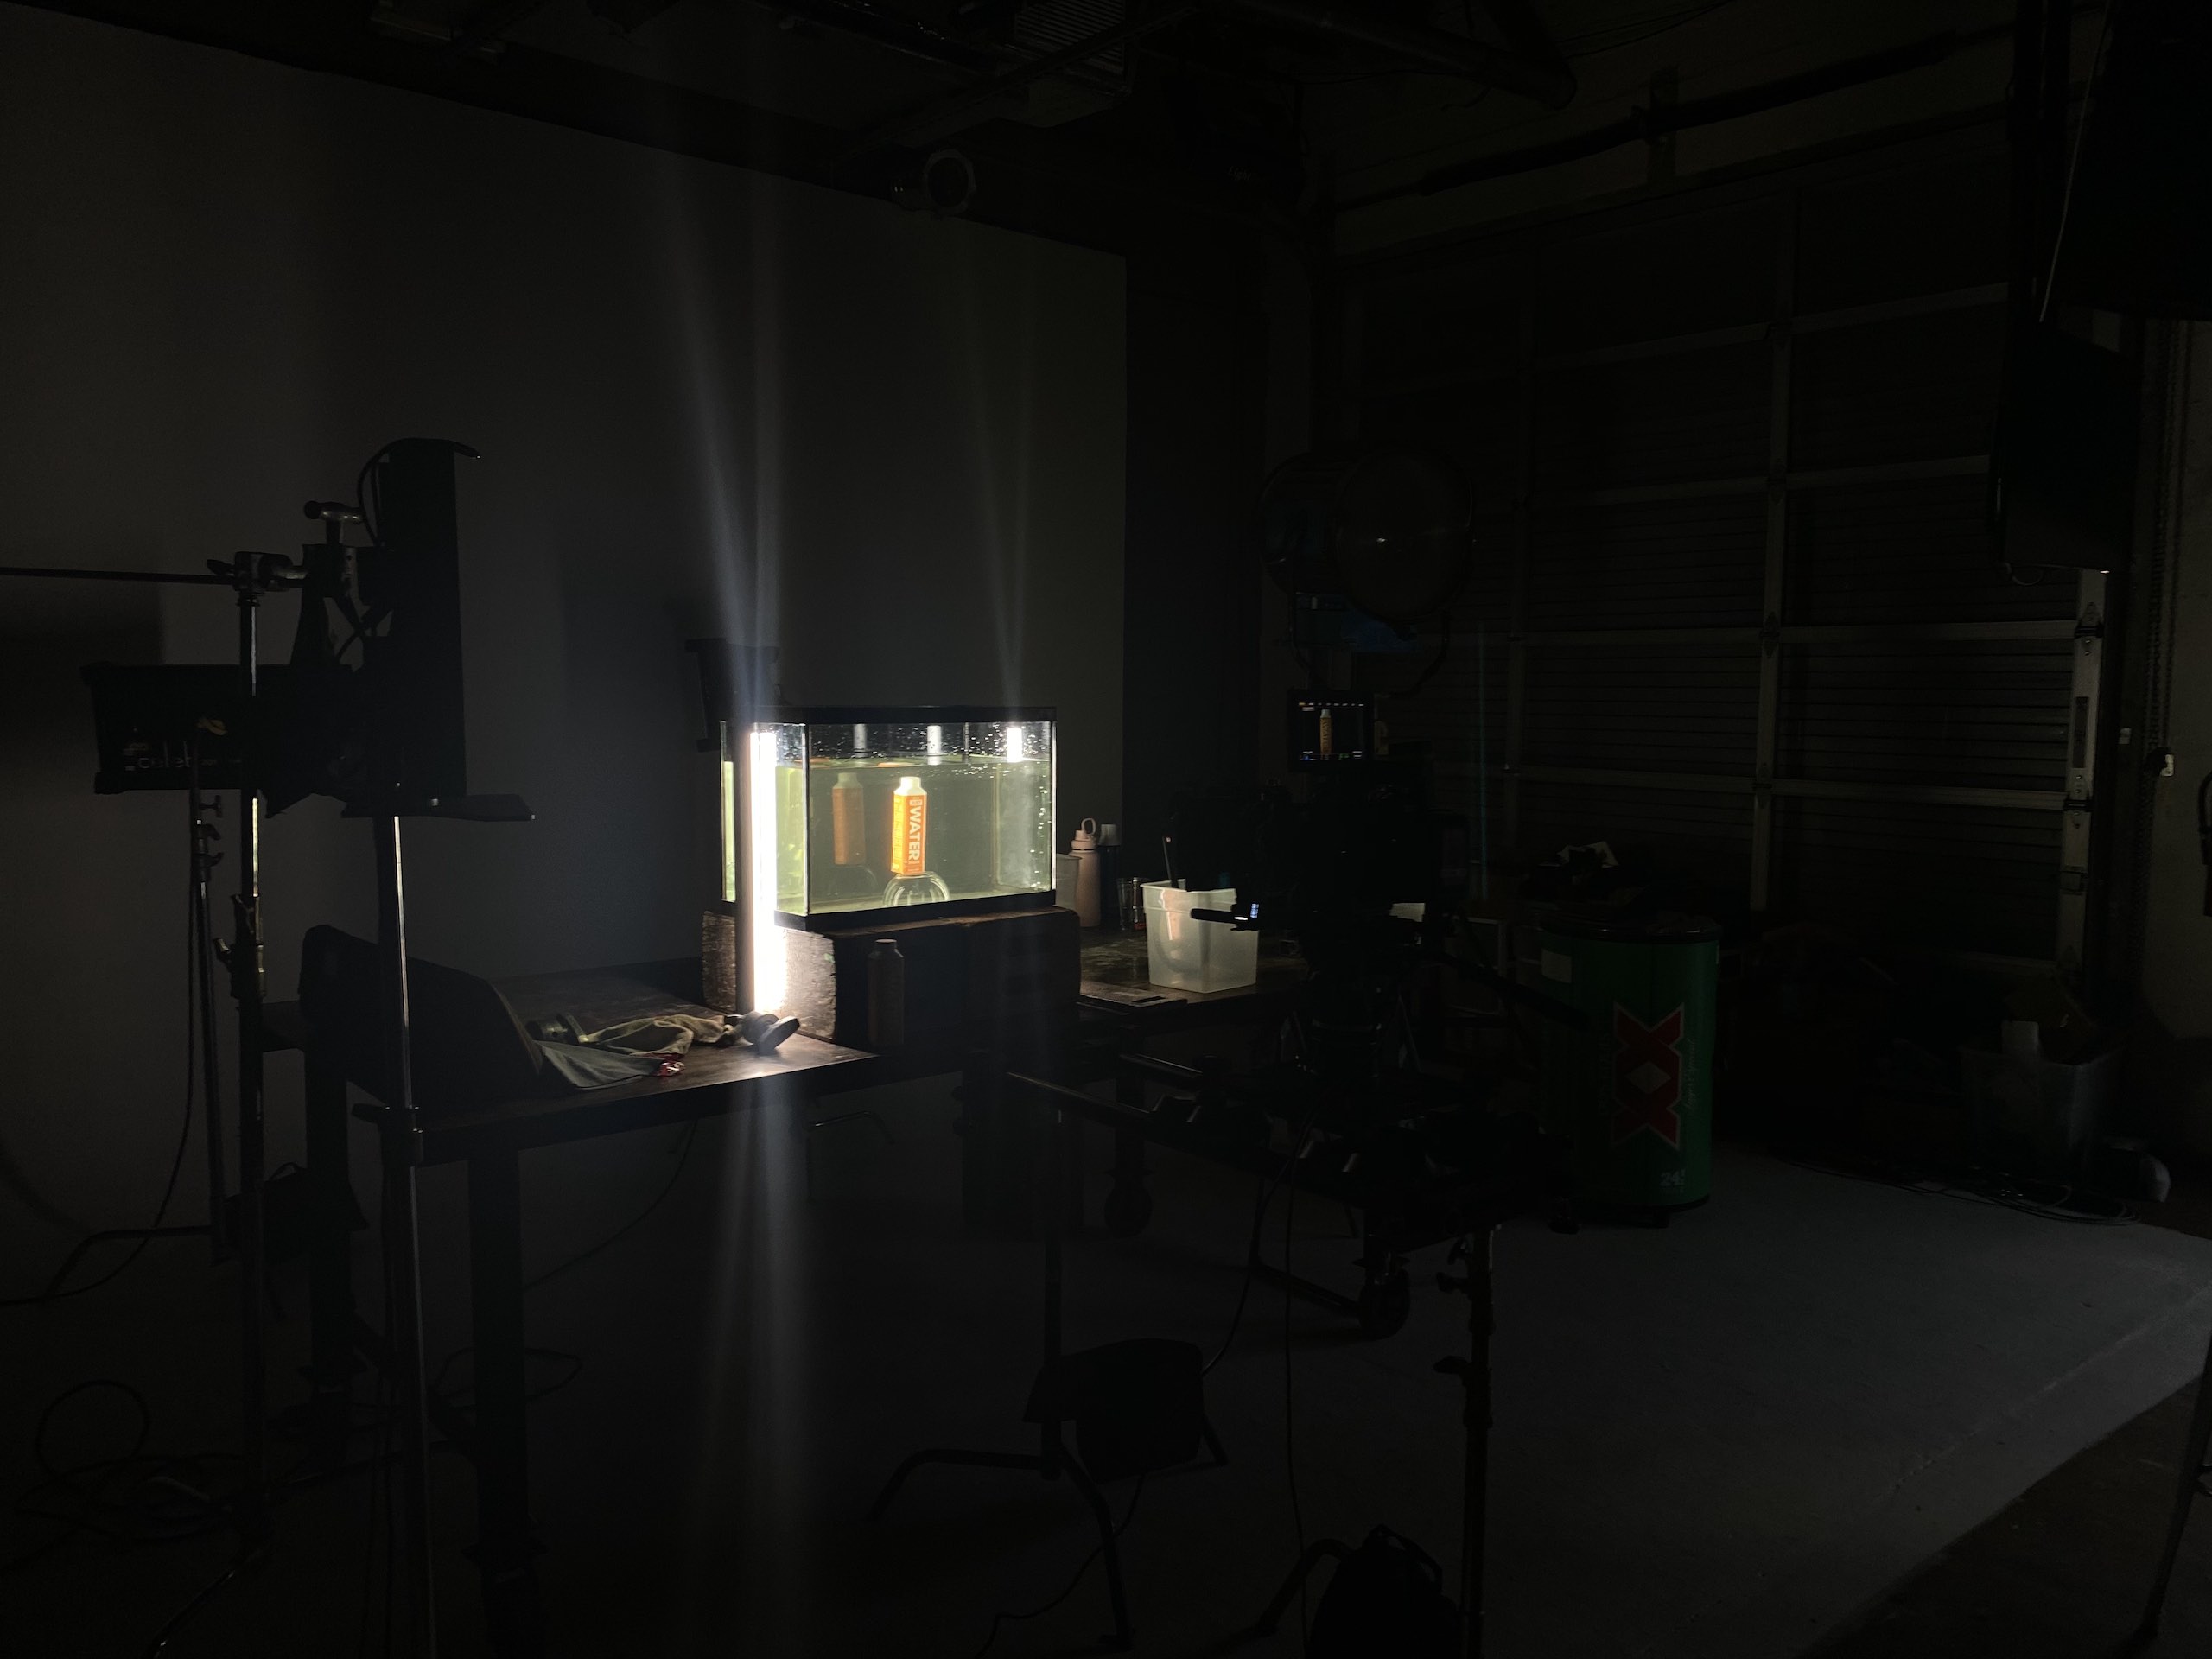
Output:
x=2035 y=1117
x=1188 y=954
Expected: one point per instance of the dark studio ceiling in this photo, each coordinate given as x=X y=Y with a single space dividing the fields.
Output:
x=1074 y=118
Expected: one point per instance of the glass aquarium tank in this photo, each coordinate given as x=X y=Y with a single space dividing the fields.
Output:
x=928 y=811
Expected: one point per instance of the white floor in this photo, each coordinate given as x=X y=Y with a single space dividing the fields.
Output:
x=1719 y=1439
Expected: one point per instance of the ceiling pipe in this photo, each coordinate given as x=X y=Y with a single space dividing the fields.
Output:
x=1545 y=78
x=930 y=116
x=1642 y=125
x=1542 y=75
x=908 y=37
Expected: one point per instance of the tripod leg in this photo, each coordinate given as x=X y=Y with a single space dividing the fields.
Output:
x=1265 y=1624
x=943 y=1455
x=2186 y=1492
x=1212 y=1440
x=1104 y=1516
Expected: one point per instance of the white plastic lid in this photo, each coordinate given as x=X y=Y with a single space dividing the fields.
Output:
x=910 y=783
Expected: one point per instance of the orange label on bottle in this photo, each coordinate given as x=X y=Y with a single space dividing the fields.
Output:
x=910 y=812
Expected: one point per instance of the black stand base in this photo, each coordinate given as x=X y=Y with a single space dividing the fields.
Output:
x=1271 y=1617
x=1045 y=1467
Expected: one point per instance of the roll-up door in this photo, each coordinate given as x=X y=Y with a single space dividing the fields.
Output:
x=1736 y=601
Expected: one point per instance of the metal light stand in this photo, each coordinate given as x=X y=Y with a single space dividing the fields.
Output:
x=252 y=575
x=204 y=860
x=201 y=996
x=402 y=1140
x=1474 y=1376
x=249 y=576
x=1473 y=1373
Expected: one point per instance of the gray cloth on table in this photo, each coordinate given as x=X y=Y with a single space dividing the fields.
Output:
x=588 y=1057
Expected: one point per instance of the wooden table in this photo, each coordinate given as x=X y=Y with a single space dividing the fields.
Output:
x=1116 y=965
x=491 y=1140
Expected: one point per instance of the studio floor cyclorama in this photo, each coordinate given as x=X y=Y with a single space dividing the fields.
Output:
x=1801 y=1419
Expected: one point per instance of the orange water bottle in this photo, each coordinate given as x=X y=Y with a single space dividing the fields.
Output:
x=910 y=835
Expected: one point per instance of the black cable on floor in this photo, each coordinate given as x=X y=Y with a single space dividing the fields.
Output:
x=1263 y=1192
x=682 y=1156
x=455 y=1398
x=1096 y=1550
x=159 y=1505
x=1265 y=1196
x=183 y=1136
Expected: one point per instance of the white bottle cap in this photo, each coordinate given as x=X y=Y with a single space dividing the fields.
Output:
x=910 y=783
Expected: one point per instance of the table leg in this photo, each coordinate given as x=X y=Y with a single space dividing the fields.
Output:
x=506 y=1550
x=1002 y=1152
x=330 y=1269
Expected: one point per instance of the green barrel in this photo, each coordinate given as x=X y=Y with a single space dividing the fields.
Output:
x=1632 y=1093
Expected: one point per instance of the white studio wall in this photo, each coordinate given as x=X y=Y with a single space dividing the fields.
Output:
x=708 y=403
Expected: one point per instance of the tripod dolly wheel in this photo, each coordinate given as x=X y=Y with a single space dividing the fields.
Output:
x=1129 y=1207
x=1385 y=1302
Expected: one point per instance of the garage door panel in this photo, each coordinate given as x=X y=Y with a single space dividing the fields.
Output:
x=1647 y=710
x=1892 y=233
x=1706 y=835
x=1684 y=275
x=1984 y=715
x=1915 y=389
x=1912 y=552
x=1649 y=565
x=1944 y=878
x=1651 y=421
x=1671 y=506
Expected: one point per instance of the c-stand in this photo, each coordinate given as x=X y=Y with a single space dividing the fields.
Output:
x=200 y=863
x=249 y=576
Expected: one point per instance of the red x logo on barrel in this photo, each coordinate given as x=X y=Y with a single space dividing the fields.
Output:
x=1647 y=1076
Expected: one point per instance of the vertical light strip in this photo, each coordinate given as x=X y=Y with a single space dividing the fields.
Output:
x=765 y=939
x=728 y=770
